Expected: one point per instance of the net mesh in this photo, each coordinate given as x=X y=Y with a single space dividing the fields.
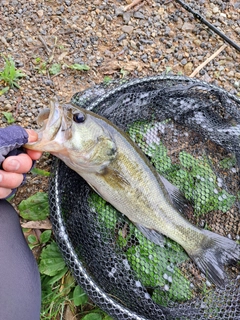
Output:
x=190 y=130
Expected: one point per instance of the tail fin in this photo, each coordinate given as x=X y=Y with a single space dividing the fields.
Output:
x=217 y=251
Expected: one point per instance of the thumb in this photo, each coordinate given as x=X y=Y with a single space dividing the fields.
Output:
x=32 y=135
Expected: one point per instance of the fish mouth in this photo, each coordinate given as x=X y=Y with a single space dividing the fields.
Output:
x=56 y=124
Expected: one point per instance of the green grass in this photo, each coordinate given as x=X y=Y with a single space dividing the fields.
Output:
x=10 y=75
x=9 y=116
x=55 y=68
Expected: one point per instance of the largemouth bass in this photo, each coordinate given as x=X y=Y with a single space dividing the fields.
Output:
x=120 y=173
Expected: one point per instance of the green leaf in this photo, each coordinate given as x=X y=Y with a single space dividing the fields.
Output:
x=10 y=75
x=45 y=236
x=55 y=68
x=79 y=296
x=40 y=172
x=123 y=72
x=4 y=90
x=54 y=279
x=68 y=283
x=227 y=163
x=51 y=261
x=168 y=69
x=38 y=60
x=32 y=239
x=160 y=158
x=9 y=117
x=35 y=207
x=178 y=290
x=107 y=215
x=107 y=79
x=92 y=316
x=81 y=67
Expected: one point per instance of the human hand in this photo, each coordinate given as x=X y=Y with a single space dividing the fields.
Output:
x=13 y=167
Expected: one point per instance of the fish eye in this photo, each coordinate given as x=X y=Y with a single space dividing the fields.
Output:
x=78 y=117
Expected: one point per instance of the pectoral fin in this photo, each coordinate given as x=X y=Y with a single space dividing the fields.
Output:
x=151 y=235
x=114 y=178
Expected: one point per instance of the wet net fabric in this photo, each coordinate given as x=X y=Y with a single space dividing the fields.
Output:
x=190 y=130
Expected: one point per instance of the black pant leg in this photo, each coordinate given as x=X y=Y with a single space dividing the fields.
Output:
x=20 y=288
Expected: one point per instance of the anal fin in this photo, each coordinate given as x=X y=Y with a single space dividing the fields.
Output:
x=151 y=235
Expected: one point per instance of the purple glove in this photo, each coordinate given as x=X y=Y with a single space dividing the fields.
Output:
x=11 y=140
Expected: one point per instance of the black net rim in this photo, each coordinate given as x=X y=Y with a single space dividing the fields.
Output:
x=95 y=292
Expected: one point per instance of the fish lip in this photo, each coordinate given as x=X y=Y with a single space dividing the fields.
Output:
x=60 y=117
x=57 y=112
x=56 y=124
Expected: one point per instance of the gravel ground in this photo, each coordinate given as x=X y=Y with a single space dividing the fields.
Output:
x=113 y=40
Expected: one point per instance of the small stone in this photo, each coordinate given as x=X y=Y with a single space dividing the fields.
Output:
x=215 y=10
x=237 y=5
x=231 y=73
x=183 y=62
x=138 y=15
x=118 y=11
x=208 y=14
x=161 y=11
x=133 y=44
x=108 y=53
x=126 y=17
x=236 y=84
x=188 y=68
x=237 y=75
x=101 y=19
x=122 y=37
x=197 y=42
x=188 y=26
x=8 y=106
x=40 y=13
x=9 y=35
x=127 y=29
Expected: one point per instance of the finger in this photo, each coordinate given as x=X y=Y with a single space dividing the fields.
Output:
x=34 y=155
x=32 y=135
x=10 y=180
x=19 y=164
x=4 y=192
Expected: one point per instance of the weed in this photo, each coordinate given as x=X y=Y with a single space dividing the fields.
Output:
x=124 y=73
x=35 y=207
x=77 y=66
x=55 y=69
x=227 y=163
x=58 y=286
x=107 y=79
x=168 y=69
x=44 y=66
x=40 y=172
x=41 y=66
x=10 y=75
x=8 y=116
